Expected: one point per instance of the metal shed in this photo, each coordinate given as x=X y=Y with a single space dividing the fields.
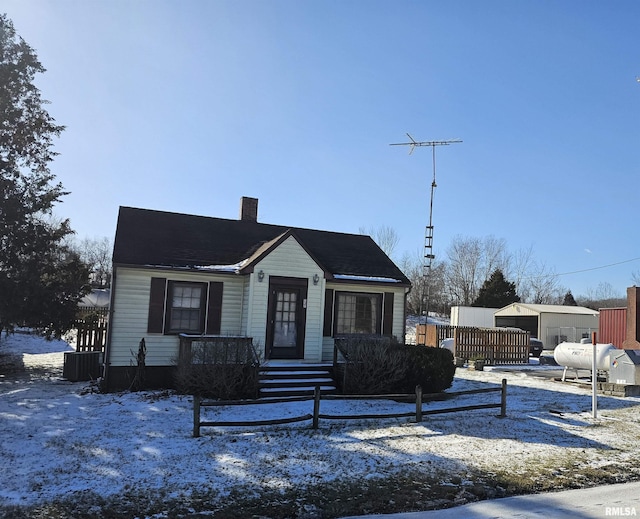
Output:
x=552 y=324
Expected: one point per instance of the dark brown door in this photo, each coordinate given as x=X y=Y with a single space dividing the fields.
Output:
x=286 y=318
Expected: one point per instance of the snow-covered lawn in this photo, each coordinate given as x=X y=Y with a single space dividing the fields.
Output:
x=59 y=438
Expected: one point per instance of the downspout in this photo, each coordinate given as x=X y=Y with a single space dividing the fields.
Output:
x=242 y=315
x=323 y=294
x=248 y=330
x=107 y=348
x=404 y=314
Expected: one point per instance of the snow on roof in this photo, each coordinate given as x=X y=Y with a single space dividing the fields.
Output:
x=366 y=278
x=552 y=309
x=223 y=268
x=235 y=268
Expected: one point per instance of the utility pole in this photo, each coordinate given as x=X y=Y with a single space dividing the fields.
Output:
x=428 y=236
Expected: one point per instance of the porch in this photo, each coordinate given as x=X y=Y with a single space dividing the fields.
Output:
x=276 y=378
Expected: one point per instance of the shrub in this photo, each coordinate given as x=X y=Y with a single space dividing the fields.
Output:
x=431 y=368
x=224 y=368
x=375 y=366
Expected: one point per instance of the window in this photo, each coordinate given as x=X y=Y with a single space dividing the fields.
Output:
x=183 y=307
x=187 y=306
x=358 y=313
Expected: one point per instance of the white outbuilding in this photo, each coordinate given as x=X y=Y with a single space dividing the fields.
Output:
x=552 y=324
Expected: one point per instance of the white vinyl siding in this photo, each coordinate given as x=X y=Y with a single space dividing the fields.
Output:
x=244 y=306
x=246 y=298
x=289 y=259
x=131 y=311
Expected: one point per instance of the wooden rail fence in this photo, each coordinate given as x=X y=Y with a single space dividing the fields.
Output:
x=419 y=413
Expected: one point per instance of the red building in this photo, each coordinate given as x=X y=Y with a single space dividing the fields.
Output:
x=613 y=326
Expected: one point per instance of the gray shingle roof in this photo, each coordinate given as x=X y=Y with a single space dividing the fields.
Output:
x=148 y=237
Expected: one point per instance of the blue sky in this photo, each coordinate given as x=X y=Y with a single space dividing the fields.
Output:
x=188 y=105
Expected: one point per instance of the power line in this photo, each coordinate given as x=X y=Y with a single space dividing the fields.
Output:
x=598 y=268
x=582 y=270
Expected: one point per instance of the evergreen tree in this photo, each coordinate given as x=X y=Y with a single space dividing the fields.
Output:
x=496 y=292
x=569 y=299
x=41 y=280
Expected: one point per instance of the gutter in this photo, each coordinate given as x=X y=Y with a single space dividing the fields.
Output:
x=404 y=315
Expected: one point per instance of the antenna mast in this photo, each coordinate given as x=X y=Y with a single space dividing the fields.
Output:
x=428 y=236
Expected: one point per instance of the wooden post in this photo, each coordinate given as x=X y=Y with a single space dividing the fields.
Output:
x=316 y=406
x=418 y=403
x=196 y=416
x=503 y=399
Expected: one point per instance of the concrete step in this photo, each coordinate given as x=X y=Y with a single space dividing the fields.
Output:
x=293 y=379
x=296 y=382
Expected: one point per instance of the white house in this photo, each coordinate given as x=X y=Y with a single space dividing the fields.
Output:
x=291 y=290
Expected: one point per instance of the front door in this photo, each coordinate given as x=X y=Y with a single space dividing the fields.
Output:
x=286 y=318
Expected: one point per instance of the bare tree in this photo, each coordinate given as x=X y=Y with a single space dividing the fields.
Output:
x=463 y=267
x=412 y=268
x=519 y=264
x=386 y=237
x=433 y=284
x=495 y=256
x=603 y=296
x=541 y=285
x=471 y=262
x=96 y=254
x=605 y=290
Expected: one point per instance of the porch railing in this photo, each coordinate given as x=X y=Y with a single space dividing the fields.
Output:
x=217 y=349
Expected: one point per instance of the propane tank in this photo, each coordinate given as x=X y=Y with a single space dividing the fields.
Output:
x=580 y=356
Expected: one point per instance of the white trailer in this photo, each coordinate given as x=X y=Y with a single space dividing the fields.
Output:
x=472 y=316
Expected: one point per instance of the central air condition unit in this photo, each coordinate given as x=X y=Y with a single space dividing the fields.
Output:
x=82 y=365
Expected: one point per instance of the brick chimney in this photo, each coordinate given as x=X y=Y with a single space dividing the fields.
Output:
x=632 y=342
x=248 y=209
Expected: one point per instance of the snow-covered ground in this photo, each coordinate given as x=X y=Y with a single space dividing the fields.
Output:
x=59 y=437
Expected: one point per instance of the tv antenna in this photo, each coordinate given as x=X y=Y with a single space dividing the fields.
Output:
x=428 y=236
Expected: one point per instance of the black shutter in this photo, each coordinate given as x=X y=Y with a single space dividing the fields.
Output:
x=387 y=314
x=214 y=312
x=156 y=305
x=327 y=329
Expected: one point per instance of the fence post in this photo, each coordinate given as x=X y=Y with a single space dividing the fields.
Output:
x=418 y=403
x=316 y=406
x=196 y=416
x=503 y=399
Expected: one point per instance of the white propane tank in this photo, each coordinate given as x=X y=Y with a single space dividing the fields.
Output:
x=580 y=356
